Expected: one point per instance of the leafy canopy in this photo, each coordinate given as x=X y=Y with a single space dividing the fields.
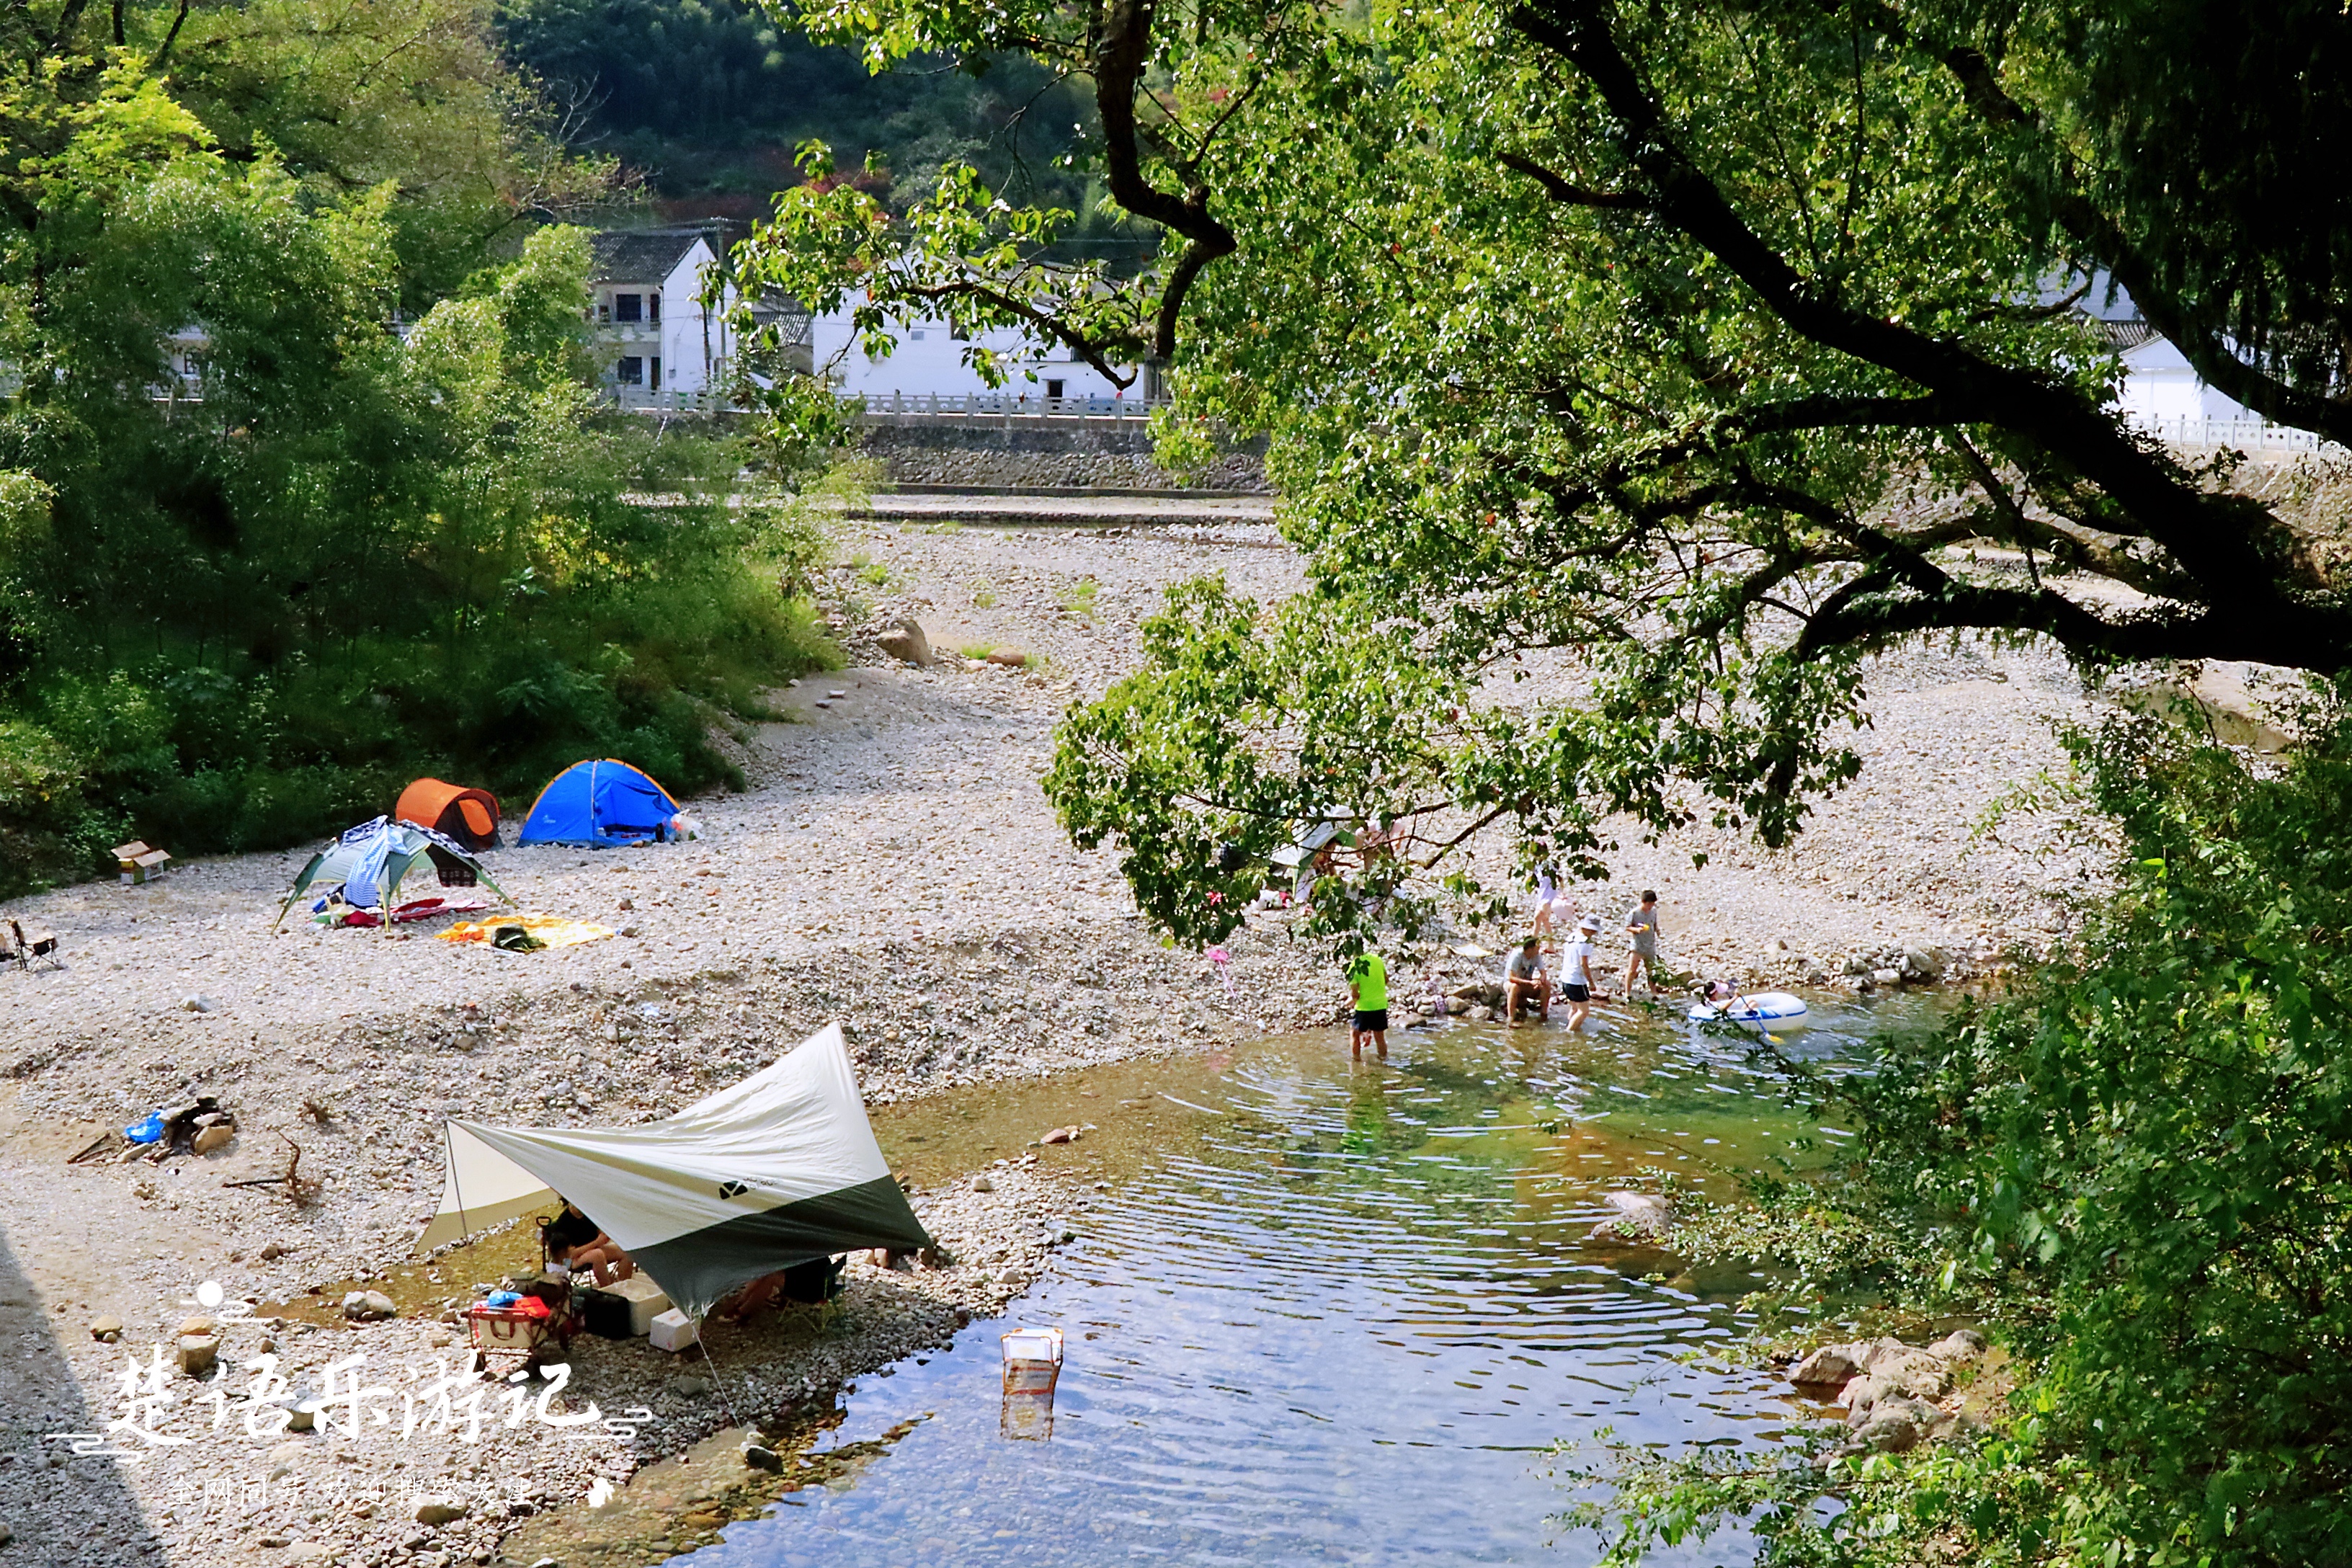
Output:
x=1682 y=354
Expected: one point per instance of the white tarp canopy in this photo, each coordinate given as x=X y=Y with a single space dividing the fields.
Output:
x=780 y=1169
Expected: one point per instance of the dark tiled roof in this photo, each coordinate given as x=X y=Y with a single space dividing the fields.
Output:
x=641 y=255
x=2123 y=335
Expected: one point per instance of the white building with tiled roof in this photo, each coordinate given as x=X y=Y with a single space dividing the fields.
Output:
x=657 y=342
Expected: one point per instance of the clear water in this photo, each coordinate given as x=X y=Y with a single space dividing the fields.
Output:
x=1338 y=1316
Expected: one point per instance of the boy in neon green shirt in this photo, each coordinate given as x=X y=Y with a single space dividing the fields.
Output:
x=1367 y=983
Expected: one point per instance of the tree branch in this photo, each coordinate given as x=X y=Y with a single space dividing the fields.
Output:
x=2201 y=342
x=1565 y=193
x=2214 y=545
x=1121 y=52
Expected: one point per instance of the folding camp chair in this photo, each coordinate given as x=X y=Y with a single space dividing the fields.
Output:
x=29 y=945
x=817 y=1284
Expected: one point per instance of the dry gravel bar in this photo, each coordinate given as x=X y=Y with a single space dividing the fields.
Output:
x=894 y=866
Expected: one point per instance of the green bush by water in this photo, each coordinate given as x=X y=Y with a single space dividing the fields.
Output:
x=2137 y=1168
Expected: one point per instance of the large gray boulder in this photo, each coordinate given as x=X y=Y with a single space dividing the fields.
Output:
x=907 y=642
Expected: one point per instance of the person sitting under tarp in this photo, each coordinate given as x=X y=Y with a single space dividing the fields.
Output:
x=812 y=1284
x=577 y=1242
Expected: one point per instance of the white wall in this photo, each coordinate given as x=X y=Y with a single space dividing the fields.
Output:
x=2159 y=387
x=689 y=366
x=928 y=362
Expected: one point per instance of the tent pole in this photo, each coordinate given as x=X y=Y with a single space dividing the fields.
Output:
x=449 y=1153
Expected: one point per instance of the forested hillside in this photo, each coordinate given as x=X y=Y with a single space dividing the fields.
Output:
x=708 y=97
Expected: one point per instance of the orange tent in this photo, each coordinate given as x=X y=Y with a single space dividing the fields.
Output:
x=468 y=816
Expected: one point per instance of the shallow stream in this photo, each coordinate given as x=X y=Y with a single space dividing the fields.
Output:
x=1322 y=1312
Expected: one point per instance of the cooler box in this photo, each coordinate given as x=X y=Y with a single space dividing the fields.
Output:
x=644 y=1299
x=672 y=1331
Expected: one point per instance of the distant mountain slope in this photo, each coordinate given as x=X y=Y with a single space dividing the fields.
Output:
x=708 y=97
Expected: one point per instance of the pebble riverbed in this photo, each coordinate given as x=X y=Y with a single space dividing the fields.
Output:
x=894 y=866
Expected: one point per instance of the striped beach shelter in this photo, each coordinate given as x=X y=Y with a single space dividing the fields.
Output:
x=780 y=1169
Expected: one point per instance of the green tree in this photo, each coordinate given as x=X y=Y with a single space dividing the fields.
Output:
x=261 y=556
x=1684 y=342
x=2137 y=1163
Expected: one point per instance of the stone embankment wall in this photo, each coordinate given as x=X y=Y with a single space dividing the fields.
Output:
x=1057 y=453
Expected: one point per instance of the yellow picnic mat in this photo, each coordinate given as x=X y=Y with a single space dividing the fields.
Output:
x=548 y=931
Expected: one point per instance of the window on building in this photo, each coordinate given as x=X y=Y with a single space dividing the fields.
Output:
x=915 y=333
x=630 y=371
x=628 y=307
x=1054 y=388
x=657 y=372
x=652 y=307
x=603 y=312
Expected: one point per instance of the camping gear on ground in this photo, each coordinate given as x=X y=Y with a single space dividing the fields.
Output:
x=25 y=946
x=139 y=863
x=780 y=1169
x=366 y=864
x=816 y=1283
x=543 y=930
x=599 y=803
x=603 y=1315
x=468 y=816
x=1777 y=1008
x=413 y=910
x=176 y=1127
x=515 y=1328
x=674 y=1331
x=624 y=1309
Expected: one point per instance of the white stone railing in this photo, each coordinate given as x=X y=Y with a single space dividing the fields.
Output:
x=902 y=406
x=2245 y=434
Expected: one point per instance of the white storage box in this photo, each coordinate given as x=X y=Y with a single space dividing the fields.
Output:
x=646 y=1300
x=672 y=1331
x=1032 y=1360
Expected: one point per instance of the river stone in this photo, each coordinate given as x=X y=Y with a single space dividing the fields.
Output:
x=907 y=642
x=369 y=1306
x=1010 y=657
x=106 y=1330
x=217 y=1136
x=1923 y=965
x=1640 y=1218
x=1895 y=1426
x=1836 y=1365
x=1961 y=1345
x=199 y=1354
x=759 y=1458
x=439 y=1511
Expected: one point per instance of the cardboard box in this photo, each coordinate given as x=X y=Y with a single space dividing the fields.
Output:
x=673 y=1330
x=139 y=863
x=646 y=1300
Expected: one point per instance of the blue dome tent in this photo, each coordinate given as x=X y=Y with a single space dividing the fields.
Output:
x=599 y=804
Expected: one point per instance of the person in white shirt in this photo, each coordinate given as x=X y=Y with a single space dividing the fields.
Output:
x=1578 y=984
